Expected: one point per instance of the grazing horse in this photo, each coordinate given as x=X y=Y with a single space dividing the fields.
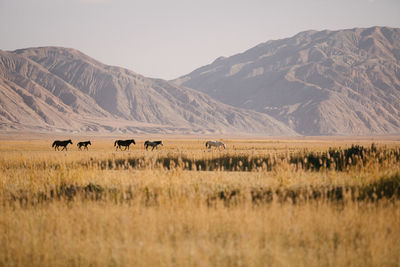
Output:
x=217 y=144
x=153 y=144
x=125 y=143
x=58 y=143
x=84 y=144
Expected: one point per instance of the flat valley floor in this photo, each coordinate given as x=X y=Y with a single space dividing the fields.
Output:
x=322 y=201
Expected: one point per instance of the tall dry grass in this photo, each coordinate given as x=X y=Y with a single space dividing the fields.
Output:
x=95 y=208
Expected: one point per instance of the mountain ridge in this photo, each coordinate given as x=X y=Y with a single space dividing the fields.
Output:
x=343 y=82
x=64 y=90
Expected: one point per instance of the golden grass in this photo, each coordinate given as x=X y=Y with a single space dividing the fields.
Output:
x=73 y=209
x=184 y=234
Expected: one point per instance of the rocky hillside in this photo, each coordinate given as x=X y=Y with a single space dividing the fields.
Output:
x=344 y=82
x=59 y=89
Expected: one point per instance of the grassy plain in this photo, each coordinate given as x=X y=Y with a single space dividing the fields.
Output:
x=258 y=203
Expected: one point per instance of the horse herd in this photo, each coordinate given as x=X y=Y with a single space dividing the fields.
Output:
x=118 y=144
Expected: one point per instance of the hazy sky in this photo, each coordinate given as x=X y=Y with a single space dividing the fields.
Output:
x=169 y=38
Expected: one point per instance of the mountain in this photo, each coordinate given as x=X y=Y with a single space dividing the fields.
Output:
x=56 y=89
x=344 y=82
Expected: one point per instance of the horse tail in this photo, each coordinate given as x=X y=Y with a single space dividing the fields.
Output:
x=207 y=144
x=54 y=143
x=115 y=143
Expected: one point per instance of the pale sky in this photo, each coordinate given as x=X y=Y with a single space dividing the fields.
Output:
x=169 y=38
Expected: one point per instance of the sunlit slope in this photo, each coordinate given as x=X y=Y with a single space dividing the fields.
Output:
x=344 y=82
x=60 y=89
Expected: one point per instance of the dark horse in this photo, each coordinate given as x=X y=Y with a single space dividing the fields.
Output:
x=153 y=144
x=125 y=143
x=58 y=143
x=84 y=144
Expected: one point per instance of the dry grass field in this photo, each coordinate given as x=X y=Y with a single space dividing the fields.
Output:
x=326 y=202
